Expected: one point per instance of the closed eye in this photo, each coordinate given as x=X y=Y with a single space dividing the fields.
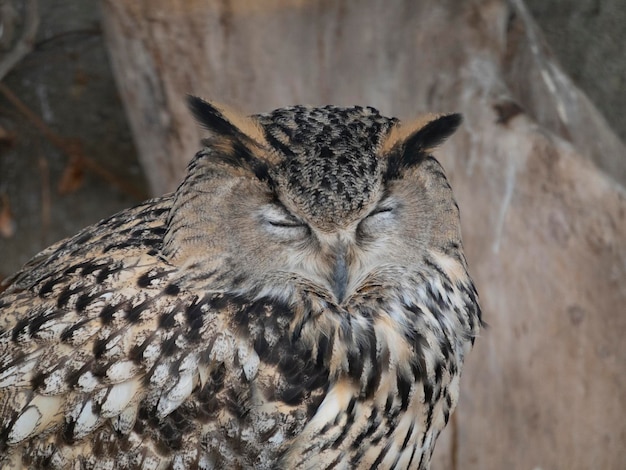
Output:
x=376 y=223
x=285 y=223
x=279 y=222
x=380 y=210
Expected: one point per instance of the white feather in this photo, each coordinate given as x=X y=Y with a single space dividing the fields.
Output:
x=222 y=348
x=24 y=425
x=176 y=395
x=124 y=422
x=118 y=397
x=121 y=371
x=86 y=422
x=335 y=402
x=160 y=375
x=249 y=360
x=88 y=382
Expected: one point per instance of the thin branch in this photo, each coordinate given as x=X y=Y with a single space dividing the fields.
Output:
x=26 y=42
x=94 y=31
x=71 y=147
x=31 y=116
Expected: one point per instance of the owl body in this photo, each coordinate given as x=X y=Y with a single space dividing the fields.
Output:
x=301 y=301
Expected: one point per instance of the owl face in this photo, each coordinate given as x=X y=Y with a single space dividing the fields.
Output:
x=334 y=198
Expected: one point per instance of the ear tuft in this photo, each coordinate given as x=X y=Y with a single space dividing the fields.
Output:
x=434 y=133
x=223 y=122
x=235 y=139
x=210 y=117
x=413 y=149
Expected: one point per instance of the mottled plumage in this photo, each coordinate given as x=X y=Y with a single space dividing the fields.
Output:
x=301 y=301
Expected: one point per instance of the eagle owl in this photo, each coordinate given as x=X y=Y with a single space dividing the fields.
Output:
x=301 y=301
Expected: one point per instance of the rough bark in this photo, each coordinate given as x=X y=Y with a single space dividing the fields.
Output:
x=536 y=170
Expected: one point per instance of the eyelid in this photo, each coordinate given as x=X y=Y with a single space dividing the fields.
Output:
x=380 y=210
x=383 y=209
x=287 y=224
x=277 y=216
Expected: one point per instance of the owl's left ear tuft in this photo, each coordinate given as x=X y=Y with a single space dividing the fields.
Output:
x=414 y=148
x=434 y=133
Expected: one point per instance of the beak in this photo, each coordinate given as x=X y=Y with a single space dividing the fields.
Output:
x=339 y=280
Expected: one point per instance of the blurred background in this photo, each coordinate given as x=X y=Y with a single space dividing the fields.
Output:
x=93 y=120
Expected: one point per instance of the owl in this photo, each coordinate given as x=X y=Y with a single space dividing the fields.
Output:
x=301 y=301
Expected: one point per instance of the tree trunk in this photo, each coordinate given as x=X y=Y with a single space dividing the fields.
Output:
x=536 y=170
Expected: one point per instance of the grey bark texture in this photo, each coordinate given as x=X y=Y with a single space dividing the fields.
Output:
x=66 y=84
x=588 y=36
x=537 y=172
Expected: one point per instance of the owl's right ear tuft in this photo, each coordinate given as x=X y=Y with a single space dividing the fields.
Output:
x=236 y=138
x=223 y=122
x=210 y=117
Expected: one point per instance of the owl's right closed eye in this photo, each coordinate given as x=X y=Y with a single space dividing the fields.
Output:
x=302 y=301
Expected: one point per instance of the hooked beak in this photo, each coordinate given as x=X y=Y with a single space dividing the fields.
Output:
x=339 y=279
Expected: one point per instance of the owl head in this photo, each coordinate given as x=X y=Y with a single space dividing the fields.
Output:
x=329 y=198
